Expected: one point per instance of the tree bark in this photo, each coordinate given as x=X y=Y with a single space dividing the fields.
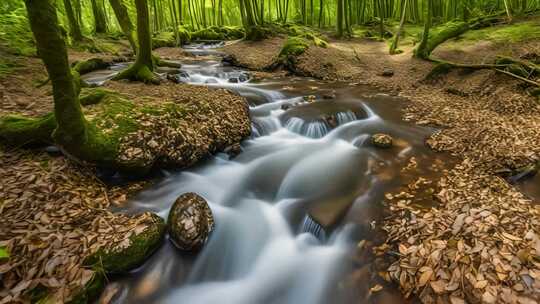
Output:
x=422 y=50
x=99 y=18
x=71 y=133
x=74 y=28
x=121 y=13
x=142 y=69
x=395 y=43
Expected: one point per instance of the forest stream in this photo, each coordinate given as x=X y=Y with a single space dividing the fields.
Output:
x=293 y=205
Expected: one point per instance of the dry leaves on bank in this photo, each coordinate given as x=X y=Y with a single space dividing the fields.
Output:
x=53 y=216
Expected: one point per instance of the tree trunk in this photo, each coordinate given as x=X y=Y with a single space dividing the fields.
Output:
x=71 y=132
x=74 y=28
x=99 y=18
x=422 y=50
x=142 y=69
x=340 y=18
x=121 y=13
x=395 y=43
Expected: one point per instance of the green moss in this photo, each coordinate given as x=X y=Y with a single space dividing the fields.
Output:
x=306 y=33
x=93 y=96
x=20 y=131
x=92 y=290
x=164 y=39
x=294 y=46
x=15 y=33
x=87 y=66
x=141 y=246
x=138 y=72
x=184 y=35
x=218 y=33
x=4 y=254
x=511 y=33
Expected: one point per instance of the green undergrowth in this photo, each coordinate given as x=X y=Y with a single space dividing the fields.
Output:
x=508 y=33
x=218 y=33
x=15 y=33
x=294 y=46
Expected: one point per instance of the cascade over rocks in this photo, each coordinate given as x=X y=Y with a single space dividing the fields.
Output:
x=190 y=222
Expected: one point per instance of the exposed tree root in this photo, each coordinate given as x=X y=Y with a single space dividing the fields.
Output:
x=138 y=72
x=508 y=66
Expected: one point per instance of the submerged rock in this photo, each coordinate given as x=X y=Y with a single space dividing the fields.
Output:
x=130 y=254
x=190 y=222
x=233 y=150
x=381 y=140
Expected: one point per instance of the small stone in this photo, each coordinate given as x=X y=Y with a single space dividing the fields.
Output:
x=190 y=222
x=233 y=150
x=233 y=80
x=381 y=140
x=388 y=72
x=285 y=106
x=53 y=150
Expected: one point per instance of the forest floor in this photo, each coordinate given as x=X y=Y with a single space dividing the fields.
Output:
x=481 y=242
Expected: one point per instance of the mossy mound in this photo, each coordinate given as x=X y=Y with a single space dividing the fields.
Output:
x=135 y=137
x=294 y=46
x=219 y=33
x=164 y=39
x=306 y=33
x=125 y=257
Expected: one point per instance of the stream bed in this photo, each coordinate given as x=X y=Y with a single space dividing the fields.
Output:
x=291 y=208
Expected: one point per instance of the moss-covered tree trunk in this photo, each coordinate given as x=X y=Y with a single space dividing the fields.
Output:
x=74 y=27
x=142 y=69
x=422 y=50
x=121 y=13
x=99 y=18
x=72 y=133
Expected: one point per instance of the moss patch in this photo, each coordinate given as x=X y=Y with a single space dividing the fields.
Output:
x=294 y=46
x=20 y=131
x=512 y=33
x=219 y=33
x=122 y=259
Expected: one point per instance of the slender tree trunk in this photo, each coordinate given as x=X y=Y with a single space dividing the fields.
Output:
x=340 y=18
x=121 y=13
x=508 y=8
x=74 y=29
x=99 y=18
x=71 y=125
x=422 y=50
x=381 y=17
x=395 y=43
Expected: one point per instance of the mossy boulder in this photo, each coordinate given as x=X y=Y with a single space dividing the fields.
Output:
x=294 y=46
x=92 y=64
x=218 y=33
x=164 y=39
x=123 y=258
x=184 y=35
x=190 y=222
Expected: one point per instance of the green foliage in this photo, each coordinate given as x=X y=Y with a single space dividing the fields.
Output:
x=15 y=33
x=4 y=254
x=522 y=31
x=306 y=33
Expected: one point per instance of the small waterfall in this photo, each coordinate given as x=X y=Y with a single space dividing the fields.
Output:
x=310 y=226
x=345 y=117
x=320 y=127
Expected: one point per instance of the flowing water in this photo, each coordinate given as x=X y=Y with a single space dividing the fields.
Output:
x=290 y=209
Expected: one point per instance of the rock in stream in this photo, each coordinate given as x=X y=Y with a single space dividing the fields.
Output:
x=190 y=222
